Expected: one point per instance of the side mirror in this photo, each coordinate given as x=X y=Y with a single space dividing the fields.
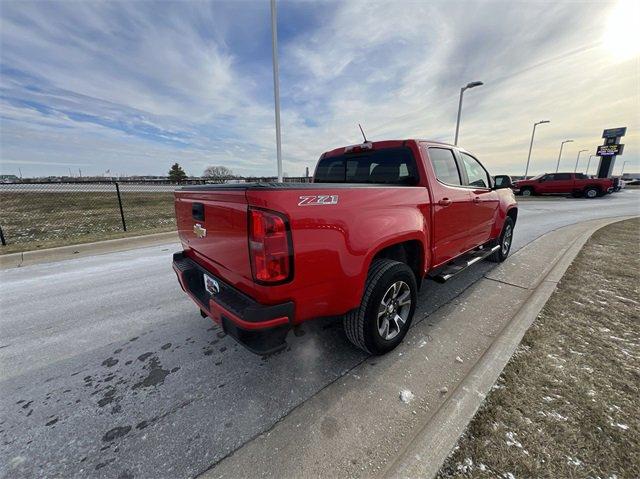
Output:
x=541 y=180
x=501 y=181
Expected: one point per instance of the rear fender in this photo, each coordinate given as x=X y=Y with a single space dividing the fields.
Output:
x=418 y=236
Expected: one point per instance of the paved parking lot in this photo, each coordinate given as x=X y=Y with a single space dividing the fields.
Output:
x=109 y=370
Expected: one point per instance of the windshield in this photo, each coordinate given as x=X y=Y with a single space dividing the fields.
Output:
x=388 y=166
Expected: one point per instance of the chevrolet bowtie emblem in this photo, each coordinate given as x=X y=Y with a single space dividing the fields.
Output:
x=199 y=231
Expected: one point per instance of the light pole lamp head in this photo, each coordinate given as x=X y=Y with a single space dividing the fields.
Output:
x=543 y=121
x=473 y=84
x=567 y=141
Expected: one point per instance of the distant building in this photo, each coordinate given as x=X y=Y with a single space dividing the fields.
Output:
x=631 y=176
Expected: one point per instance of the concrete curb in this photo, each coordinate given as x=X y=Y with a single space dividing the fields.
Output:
x=49 y=255
x=428 y=450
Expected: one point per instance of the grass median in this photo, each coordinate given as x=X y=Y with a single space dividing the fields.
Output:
x=38 y=220
x=566 y=404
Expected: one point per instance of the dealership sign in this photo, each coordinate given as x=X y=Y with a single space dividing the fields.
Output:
x=610 y=150
x=614 y=132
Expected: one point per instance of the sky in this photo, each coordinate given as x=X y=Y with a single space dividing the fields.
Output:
x=132 y=87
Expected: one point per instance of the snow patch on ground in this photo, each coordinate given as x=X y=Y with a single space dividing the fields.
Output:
x=406 y=396
x=624 y=427
x=512 y=441
x=574 y=461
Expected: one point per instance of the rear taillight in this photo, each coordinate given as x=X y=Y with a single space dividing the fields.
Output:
x=269 y=246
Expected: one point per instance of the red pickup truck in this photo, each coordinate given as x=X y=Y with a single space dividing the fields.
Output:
x=576 y=184
x=356 y=243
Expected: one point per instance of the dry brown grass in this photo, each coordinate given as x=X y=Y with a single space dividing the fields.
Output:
x=568 y=402
x=35 y=220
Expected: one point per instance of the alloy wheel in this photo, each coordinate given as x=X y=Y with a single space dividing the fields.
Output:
x=394 y=310
x=506 y=239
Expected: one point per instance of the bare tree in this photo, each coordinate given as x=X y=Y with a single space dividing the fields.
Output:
x=217 y=173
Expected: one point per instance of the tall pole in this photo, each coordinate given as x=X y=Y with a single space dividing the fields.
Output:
x=622 y=171
x=276 y=84
x=560 y=154
x=533 y=134
x=578 y=159
x=455 y=141
x=467 y=86
x=588 y=164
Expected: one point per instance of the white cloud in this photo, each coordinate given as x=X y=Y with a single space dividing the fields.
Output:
x=135 y=86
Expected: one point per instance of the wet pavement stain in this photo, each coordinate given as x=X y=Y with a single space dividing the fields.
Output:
x=156 y=375
x=142 y=424
x=105 y=463
x=108 y=397
x=110 y=362
x=115 y=433
x=52 y=422
x=143 y=357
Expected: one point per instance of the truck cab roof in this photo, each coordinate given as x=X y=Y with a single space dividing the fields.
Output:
x=384 y=144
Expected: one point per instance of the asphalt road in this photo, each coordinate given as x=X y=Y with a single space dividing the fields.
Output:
x=108 y=370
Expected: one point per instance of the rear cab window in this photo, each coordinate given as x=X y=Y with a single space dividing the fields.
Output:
x=395 y=166
x=445 y=166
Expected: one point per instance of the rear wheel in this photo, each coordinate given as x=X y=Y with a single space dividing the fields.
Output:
x=506 y=238
x=384 y=316
x=591 y=192
x=526 y=191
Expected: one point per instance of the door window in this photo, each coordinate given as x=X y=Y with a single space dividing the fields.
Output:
x=444 y=164
x=562 y=176
x=476 y=174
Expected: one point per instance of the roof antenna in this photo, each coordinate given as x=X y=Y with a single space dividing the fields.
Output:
x=362 y=131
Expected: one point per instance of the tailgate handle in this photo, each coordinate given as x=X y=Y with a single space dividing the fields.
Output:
x=197 y=211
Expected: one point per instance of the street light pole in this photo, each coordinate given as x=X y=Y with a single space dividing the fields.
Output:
x=531 y=145
x=276 y=84
x=623 y=165
x=589 y=164
x=560 y=154
x=578 y=159
x=468 y=85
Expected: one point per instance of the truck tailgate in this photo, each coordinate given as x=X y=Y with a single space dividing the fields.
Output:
x=213 y=226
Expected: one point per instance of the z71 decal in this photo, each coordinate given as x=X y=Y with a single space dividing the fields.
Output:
x=318 y=200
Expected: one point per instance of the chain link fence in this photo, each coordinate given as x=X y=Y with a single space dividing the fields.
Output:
x=41 y=215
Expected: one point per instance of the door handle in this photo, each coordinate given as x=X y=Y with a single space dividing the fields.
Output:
x=476 y=199
x=444 y=202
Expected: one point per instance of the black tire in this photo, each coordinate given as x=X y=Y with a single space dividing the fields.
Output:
x=527 y=191
x=361 y=325
x=591 y=192
x=505 y=236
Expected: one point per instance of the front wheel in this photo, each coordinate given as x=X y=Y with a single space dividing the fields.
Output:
x=591 y=192
x=383 y=318
x=526 y=191
x=506 y=238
